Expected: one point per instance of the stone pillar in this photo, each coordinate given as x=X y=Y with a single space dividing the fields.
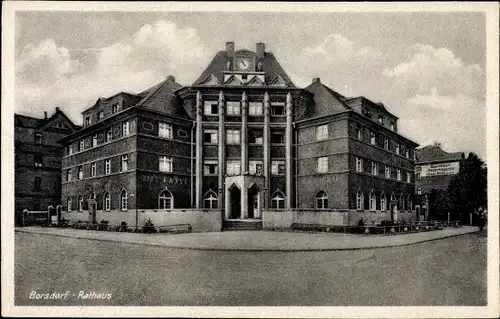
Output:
x=244 y=134
x=199 y=149
x=288 y=150
x=266 y=151
x=222 y=154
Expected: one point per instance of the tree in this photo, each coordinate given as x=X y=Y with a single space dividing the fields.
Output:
x=468 y=190
x=439 y=203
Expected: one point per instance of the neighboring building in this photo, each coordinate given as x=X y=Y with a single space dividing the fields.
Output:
x=38 y=160
x=243 y=139
x=434 y=169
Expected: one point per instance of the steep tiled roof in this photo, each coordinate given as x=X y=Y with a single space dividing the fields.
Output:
x=36 y=123
x=433 y=153
x=326 y=100
x=162 y=98
x=270 y=66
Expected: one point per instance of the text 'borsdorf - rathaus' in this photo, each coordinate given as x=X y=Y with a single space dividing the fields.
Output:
x=244 y=141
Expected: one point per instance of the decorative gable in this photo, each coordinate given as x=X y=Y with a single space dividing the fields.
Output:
x=232 y=80
x=278 y=81
x=255 y=81
x=210 y=80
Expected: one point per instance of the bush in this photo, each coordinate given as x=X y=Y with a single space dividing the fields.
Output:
x=149 y=227
x=361 y=222
x=103 y=225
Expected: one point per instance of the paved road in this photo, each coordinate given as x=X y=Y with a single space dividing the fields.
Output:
x=445 y=272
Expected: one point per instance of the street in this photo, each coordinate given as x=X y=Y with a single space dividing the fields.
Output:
x=444 y=272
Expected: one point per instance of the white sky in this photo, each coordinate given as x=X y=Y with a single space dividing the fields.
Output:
x=427 y=68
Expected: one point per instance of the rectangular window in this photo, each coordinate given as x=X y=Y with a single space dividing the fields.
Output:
x=392 y=126
x=372 y=138
x=419 y=191
x=322 y=165
x=87 y=121
x=107 y=167
x=38 y=160
x=278 y=108
x=124 y=163
x=380 y=119
x=38 y=138
x=210 y=107
x=82 y=145
x=38 y=184
x=407 y=152
x=233 y=168
x=408 y=177
x=398 y=176
x=277 y=137
x=210 y=168
x=165 y=130
x=93 y=169
x=166 y=164
x=359 y=133
x=374 y=169
x=233 y=108
x=100 y=115
x=322 y=132
x=255 y=108
x=80 y=172
x=387 y=171
x=233 y=136
x=109 y=135
x=359 y=164
x=386 y=143
x=278 y=167
x=397 y=148
x=94 y=140
x=419 y=178
x=125 y=129
x=255 y=167
x=68 y=175
x=69 y=205
x=255 y=137
x=70 y=149
x=116 y=107
x=210 y=136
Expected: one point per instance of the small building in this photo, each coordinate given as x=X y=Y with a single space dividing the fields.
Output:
x=38 y=160
x=241 y=144
x=434 y=169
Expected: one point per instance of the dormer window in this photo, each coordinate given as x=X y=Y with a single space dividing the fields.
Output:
x=87 y=121
x=393 y=126
x=100 y=115
x=380 y=119
x=116 y=107
x=38 y=138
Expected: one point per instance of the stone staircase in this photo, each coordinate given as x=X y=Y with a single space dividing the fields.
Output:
x=242 y=224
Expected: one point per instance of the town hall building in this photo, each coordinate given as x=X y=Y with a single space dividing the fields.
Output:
x=242 y=143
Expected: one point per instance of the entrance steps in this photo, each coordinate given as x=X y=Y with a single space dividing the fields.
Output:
x=242 y=224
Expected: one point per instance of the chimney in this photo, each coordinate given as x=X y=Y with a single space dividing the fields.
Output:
x=171 y=78
x=261 y=49
x=45 y=114
x=230 y=49
x=316 y=80
x=57 y=108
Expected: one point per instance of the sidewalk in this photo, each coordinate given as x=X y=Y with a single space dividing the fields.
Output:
x=255 y=240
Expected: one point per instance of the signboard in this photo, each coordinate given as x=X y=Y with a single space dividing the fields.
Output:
x=440 y=169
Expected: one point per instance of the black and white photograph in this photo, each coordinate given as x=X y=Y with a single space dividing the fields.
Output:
x=250 y=159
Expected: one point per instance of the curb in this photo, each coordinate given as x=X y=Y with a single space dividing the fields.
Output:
x=246 y=249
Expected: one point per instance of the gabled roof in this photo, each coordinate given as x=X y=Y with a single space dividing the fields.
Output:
x=356 y=102
x=326 y=100
x=36 y=123
x=162 y=98
x=270 y=66
x=434 y=153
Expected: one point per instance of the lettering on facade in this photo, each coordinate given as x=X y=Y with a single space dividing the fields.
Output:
x=168 y=180
x=440 y=169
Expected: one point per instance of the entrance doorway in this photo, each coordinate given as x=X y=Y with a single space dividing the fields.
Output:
x=253 y=202
x=235 y=202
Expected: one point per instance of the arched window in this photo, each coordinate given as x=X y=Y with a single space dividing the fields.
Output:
x=107 y=201
x=402 y=201
x=124 y=200
x=321 y=200
x=383 y=203
x=360 y=200
x=373 y=201
x=210 y=199
x=92 y=197
x=80 y=203
x=278 y=200
x=393 y=197
x=165 y=200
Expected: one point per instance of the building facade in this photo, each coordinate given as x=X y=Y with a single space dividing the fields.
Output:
x=242 y=140
x=38 y=160
x=434 y=169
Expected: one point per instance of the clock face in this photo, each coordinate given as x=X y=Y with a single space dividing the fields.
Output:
x=244 y=64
